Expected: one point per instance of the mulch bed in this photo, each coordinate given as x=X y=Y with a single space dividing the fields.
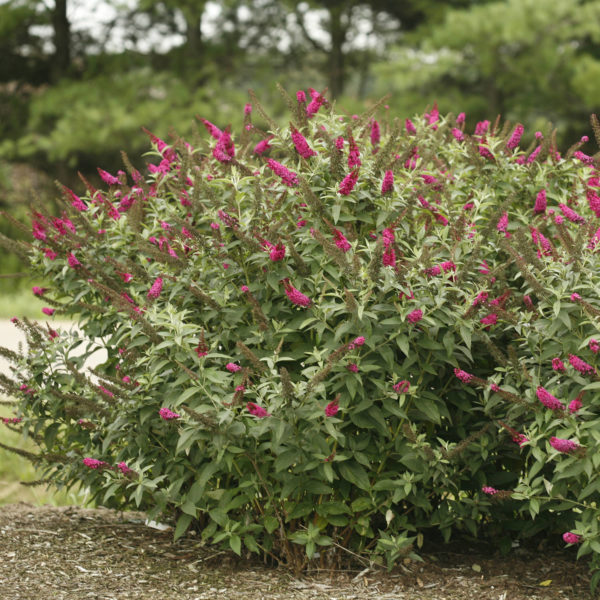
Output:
x=69 y=553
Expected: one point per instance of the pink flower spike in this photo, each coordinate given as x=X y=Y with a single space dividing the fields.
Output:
x=482 y=127
x=245 y=289
x=257 y=411
x=122 y=466
x=106 y=392
x=570 y=214
x=415 y=316
x=224 y=150
x=375 y=133
x=214 y=131
x=357 y=342
x=296 y=297
x=340 y=241
x=410 y=127
x=490 y=491
x=126 y=277
x=108 y=178
x=485 y=152
x=502 y=223
x=463 y=375
x=48 y=311
x=575 y=405
x=389 y=256
x=558 y=365
x=302 y=147
x=168 y=415
x=73 y=262
x=540 y=202
x=388 y=182
x=491 y=319
x=580 y=365
x=94 y=463
x=515 y=138
x=301 y=96
x=520 y=439
x=571 y=538
x=288 y=177
x=38 y=291
x=332 y=408
x=155 y=289
x=352 y=367
x=315 y=104
x=594 y=346
x=480 y=298
x=248 y=109
x=562 y=445
x=347 y=184
x=461 y=118
x=277 y=253
x=401 y=387
x=388 y=237
x=263 y=146
x=548 y=400
x=459 y=136
x=353 y=154
x=575 y=296
x=232 y=367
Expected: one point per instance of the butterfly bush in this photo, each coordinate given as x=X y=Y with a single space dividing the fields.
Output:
x=317 y=345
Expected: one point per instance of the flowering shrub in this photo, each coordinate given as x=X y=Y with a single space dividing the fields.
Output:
x=338 y=336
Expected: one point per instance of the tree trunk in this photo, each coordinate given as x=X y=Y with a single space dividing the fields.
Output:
x=337 y=31
x=193 y=34
x=62 y=39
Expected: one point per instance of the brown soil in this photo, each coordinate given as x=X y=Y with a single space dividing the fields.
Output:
x=68 y=553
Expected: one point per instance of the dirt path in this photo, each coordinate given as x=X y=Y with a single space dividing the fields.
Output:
x=11 y=337
x=68 y=553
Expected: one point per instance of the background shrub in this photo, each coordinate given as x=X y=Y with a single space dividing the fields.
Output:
x=345 y=338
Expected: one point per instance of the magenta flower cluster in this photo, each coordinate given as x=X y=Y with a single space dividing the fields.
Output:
x=168 y=415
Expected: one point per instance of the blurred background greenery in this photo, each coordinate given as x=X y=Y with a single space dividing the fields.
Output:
x=79 y=78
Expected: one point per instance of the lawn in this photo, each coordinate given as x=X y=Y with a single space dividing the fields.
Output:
x=14 y=469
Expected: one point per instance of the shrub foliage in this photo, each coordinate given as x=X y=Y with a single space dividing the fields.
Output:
x=334 y=337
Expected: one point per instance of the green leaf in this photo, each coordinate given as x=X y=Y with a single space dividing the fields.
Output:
x=187 y=394
x=186 y=439
x=189 y=508
x=402 y=342
x=429 y=409
x=355 y=474
x=270 y=523
x=50 y=435
x=285 y=460
x=335 y=212
x=182 y=525
x=205 y=474
x=250 y=543
x=465 y=334
x=235 y=543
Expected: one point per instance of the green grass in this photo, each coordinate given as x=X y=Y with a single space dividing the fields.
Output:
x=21 y=303
x=15 y=468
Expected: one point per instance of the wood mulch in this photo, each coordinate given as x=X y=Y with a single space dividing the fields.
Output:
x=69 y=553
